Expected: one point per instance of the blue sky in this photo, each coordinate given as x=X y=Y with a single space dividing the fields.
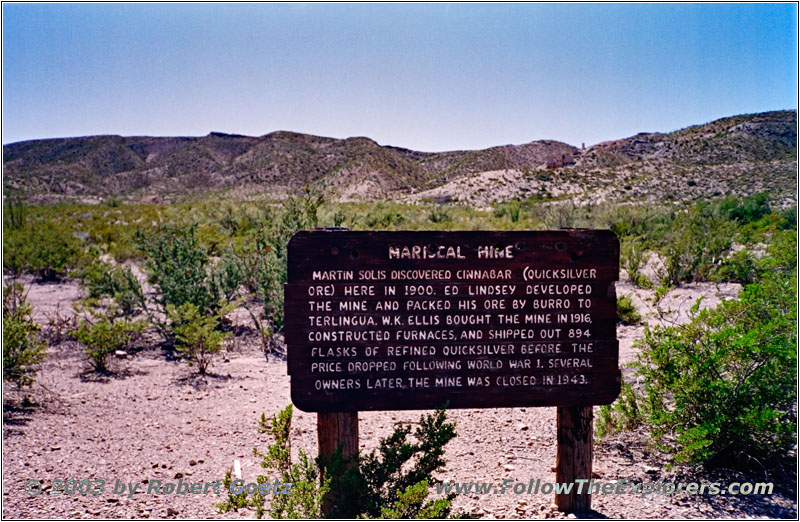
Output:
x=424 y=76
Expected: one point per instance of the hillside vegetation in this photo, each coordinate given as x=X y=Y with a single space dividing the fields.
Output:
x=740 y=155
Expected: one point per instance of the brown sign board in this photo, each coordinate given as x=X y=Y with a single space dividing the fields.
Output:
x=414 y=320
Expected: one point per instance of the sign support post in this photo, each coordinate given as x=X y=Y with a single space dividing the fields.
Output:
x=335 y=430
x=407 y=320
x=574 y=456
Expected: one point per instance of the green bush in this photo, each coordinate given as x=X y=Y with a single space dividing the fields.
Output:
x=262 y=260
x=179 y=267
x=438 y=215
x=747 y=209
x=721 y=389
x=308 y=487
x=632 y=258
x=103 y=335
x=15 y=213
x=695 y=245
x=41 y=248
x=396 y=476
x=391 y=482
x=510 y=208
x=383 y=216
x=626 y=311
x=101 y=279
x=198 y=338
x=623 y=414
x=739 y=267
x=22 y=349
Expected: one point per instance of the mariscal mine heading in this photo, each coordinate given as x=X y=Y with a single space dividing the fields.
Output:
x=448 y=252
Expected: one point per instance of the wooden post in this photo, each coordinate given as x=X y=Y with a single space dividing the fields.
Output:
x=574 y=456
x=337 y=428
x=334 y=429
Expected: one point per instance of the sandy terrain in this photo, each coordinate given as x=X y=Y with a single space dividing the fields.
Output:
x=153 y=419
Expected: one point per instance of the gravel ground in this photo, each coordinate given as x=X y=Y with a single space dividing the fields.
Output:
x=154 y=419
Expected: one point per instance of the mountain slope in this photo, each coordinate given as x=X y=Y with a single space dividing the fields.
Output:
x=359 y=168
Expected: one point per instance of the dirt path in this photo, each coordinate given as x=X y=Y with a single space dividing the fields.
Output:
x=154 y=420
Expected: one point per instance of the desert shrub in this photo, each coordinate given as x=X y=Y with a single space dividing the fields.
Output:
x=623 y=414
x=627 y=312
x=262 y=260
x=510 y=208
x=41 y=248
x=695 y=245
x=739 y=267
x=103 y=334
x=721 y=388
x=102 y=279
x=197 y=335
x=632 y=258
x=179 y=267
x=781 y=255
x=15 y=213
x=789 y=218
x=22 y=349
x=383 y=216
x=338 y=218
x=630 y=220
x=391 y=482
x=438 y=215
x=397 y=474
x=747 y=209
x=308 y=487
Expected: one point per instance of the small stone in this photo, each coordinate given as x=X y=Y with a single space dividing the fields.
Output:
x=177 y=476
x=172 y=512
x=121 y=354
x=522 y=427
x=193 y=463
x=509 y=467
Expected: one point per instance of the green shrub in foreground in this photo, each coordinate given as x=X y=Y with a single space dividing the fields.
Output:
x=626 y=311
x=721 y=390
x=198 y=338
x=391 y=482
x=43 y=249
x=104 y=335
x=101 y=279
x=22 y=349
x=180 y=268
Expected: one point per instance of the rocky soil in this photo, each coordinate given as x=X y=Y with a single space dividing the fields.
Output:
x=154 y=419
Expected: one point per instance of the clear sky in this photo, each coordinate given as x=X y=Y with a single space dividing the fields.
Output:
x=423 y=76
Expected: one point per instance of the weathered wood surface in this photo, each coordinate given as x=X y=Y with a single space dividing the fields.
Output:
x=334 y=430
x=412 y=320
x=337 y=428
x=574 y=456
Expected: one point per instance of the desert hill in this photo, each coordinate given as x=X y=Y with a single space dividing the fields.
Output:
x=737 y=154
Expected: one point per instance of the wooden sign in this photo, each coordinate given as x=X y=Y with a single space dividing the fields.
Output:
x=414 y=320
